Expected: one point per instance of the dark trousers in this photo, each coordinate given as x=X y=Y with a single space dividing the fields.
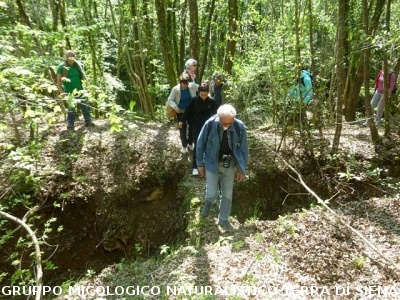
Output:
x=85 y=112
x=196 y=132
x=183 y=132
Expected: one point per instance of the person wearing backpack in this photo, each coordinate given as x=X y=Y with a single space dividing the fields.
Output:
x=299 y=96
x=179 y=99
x=378 y=97
x=222 y=155
x=303 y=90
x=70 y=77
x=198 y=112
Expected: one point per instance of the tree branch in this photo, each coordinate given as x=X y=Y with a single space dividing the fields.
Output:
x=322 y=202
x=39 y=271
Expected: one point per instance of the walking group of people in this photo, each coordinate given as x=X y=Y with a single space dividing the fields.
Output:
x=218 y=140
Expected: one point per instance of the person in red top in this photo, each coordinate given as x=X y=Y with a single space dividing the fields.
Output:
x=378 y=98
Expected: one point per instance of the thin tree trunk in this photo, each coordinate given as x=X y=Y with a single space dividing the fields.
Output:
x=27 y=21
x=356 y=79
x=341 y=35
x=297 y=38
x=386 y=74
x=182 y=48
x=207 y=39
x=165 y=44
x=55 y=8
x=194 y=40
x=366 y=56
x=136 y=59
x=64 y=25
x=119 y=33
x=231 y=36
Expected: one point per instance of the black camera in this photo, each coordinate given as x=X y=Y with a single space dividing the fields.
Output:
x=226 y=160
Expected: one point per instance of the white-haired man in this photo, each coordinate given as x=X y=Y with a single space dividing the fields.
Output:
x=222 y=154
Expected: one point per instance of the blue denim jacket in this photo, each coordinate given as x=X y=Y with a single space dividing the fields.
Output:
x=208 y=143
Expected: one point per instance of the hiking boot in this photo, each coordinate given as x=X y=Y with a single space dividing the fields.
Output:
x=89 y=124
x=195 y=172
x=183 y=150
x=190 y=147
x=205 y=211
x=225 y=224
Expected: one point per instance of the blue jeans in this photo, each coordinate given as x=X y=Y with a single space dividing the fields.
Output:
x=377 y=101
x=225 y=177
x=85 y=112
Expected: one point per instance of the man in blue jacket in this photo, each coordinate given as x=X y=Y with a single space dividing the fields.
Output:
x=222 y=154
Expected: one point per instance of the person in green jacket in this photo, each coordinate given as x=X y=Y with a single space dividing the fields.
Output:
x=70 y=77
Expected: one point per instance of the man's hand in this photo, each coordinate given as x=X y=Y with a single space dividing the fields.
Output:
x=180 y=124
x=202 y=171
x=239 y=176
x=178 y=111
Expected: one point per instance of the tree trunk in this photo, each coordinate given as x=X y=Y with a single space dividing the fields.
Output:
x=136 y=67
x=165 y=45
x=231 y=36
x=27 y=21
x=207 y=39
x=386 y=81
x=366 y=57
x=340 y=44
x=355 y=79
x=64 y=25
x=194 y=40
x=182 y=48
x=297 y=38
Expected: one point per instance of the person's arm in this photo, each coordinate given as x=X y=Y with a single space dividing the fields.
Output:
x=214 y=107
x=171 y=100
x=59 y=84
x=201 y=145
x=59 y=79
x=244 y=149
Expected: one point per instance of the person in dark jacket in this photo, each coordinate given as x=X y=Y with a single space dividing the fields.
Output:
x=198 y=112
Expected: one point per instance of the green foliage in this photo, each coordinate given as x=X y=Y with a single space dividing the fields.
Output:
x=359 y=262
x=275 y=254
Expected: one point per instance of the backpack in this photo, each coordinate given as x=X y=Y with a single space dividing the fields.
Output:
x=311 y=77
x=66 y=67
